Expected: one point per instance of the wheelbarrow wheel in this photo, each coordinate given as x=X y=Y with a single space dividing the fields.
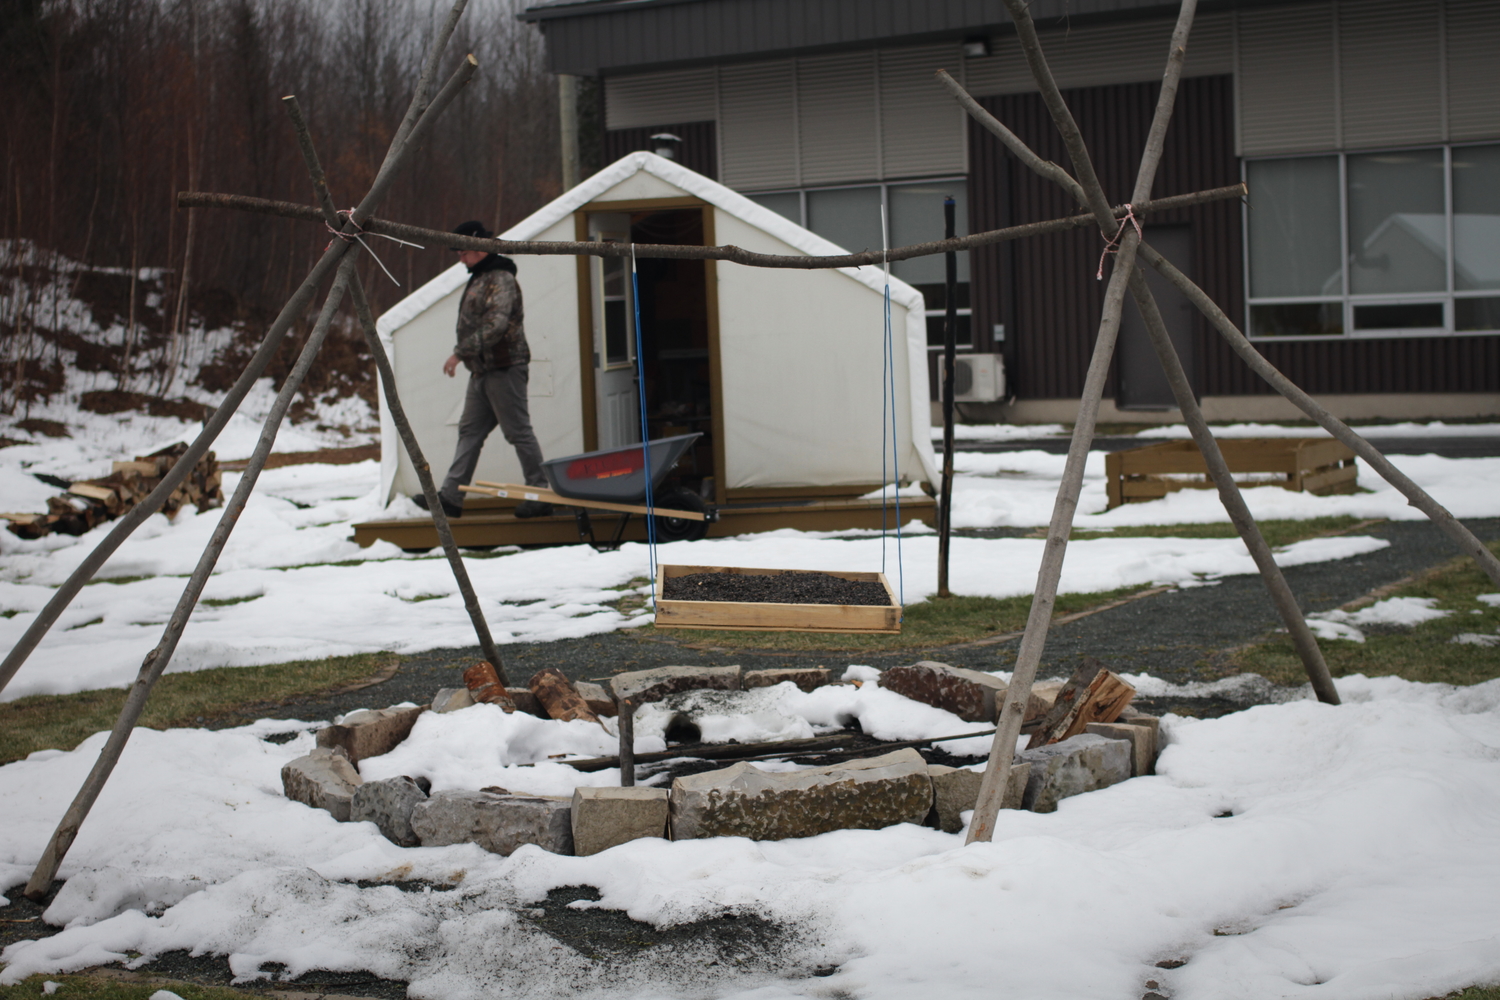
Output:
x=680 y=529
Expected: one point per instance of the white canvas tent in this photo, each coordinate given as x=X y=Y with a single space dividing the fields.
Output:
x=795 y=356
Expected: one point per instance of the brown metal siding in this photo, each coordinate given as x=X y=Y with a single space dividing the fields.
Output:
x=699 y=152
x=1052 y=311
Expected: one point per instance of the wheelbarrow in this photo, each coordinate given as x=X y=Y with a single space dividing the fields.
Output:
x=615 y=480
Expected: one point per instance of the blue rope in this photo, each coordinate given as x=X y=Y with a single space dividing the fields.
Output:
x=640 y=392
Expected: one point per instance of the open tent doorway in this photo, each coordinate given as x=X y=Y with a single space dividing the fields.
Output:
x=676 y=341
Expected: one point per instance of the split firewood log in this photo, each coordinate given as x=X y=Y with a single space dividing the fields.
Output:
x=484 y=686
x=1092 y=694
x=559 y=697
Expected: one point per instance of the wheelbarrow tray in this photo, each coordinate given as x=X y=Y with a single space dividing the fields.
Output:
x=616 y=475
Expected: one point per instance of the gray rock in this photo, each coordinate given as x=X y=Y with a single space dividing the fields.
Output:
x=606 y=817
x=451 y=700
x=1142 y=742
x=1083 y=763
x=388 y=804
x=324 y=779
x=955 y=790
x=806 y=678
x=642 y=686
x=598 y=699
x=497 y=822
x=370 y=732
x=744 y=801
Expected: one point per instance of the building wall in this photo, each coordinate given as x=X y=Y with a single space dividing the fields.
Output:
x=699 y=151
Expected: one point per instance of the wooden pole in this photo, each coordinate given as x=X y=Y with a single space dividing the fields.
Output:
x=950 y=345
x=1451 y=526
x=395 y=409
x=732 y=254
x=625 y=721
x=1002 y=749
x=156 y=661
x=1229 y=494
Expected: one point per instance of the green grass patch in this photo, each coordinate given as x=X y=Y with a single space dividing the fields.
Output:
x=1424 y=653
x=1276 y=532
x=86 y=987
x=61 y=722
x=934 y=622
x=224 y=602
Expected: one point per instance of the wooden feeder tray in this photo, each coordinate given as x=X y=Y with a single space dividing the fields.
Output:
x=750 y=616
x=1315 y=465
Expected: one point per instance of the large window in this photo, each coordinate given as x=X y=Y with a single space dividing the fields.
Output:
x=1401 y=243
x=850 y=217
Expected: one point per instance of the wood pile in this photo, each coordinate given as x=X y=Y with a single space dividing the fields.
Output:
x=91 y=502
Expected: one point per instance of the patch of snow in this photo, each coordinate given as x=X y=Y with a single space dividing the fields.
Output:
x=1001 y=432
x=1493 y=600
x=1434 y=428
x=1475 y=639
x=1393 y=612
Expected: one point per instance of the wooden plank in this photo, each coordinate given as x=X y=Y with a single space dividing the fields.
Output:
x=511 y=491
x=493 y=524
x=1112 y=477
x=144 y=468
x=1331 y=481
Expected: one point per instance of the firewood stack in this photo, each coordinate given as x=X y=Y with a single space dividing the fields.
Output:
x=93 y=501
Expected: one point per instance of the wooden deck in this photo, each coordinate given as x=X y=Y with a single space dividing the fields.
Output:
x=487 y=524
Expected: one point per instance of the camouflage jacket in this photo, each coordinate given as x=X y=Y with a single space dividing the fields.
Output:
x=491 y=332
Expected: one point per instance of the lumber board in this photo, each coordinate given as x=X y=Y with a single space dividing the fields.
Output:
x=510 y=491
x=767 y=616
x=1304 y=464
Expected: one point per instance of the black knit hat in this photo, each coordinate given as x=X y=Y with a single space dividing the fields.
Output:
x=473 y=228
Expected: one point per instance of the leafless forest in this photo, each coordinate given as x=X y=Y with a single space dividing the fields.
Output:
x=113 y=106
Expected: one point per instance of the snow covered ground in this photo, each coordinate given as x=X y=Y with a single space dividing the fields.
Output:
x=1292 y=850
x=304 y=590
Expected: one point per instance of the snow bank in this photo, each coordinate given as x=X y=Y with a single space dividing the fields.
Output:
x=1289 y=850
x=1393 y=612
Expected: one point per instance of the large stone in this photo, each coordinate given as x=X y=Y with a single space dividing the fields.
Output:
x=969 y=694
x=955 y=790
x=388 y=804
x=598 y=699
x=806 y=678
x=641 y=686
x=1141 y=739
x=370 y=732
x=451 y=700
x=324 y=779
x=497 y=821
x=1080 y=764
x=744 y=801
x=606 y=817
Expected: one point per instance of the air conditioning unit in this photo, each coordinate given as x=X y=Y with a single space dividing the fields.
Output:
x=978 y=378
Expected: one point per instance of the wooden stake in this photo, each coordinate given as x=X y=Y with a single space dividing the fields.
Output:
x=950 y=344
x=625 y=720
x=1002 y=750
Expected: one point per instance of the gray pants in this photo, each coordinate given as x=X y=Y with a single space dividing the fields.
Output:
x=494 y=399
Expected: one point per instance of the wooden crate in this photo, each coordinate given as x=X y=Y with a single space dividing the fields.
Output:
x=750 y=617
x=1314 y=465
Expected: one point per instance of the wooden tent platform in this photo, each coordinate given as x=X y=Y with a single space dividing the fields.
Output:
x=490 y=523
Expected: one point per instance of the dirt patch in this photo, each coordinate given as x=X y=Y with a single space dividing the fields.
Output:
x=46 y=428
x=779 y=588
x=323 y=456
x=120 y=400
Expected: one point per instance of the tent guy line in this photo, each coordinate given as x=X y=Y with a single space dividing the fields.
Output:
x=733 y=254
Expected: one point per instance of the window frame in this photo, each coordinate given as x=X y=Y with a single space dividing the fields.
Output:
x=885 y=206
x=1346 y=301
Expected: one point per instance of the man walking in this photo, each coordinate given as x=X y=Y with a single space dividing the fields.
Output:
x=492 y=346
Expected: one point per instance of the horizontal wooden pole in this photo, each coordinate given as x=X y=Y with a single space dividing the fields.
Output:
x=543 y=495
x=434 y=238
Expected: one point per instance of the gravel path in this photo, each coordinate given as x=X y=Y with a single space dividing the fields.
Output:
x=1173 y=635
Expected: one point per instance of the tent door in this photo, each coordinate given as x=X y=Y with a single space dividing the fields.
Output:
x=616 y=400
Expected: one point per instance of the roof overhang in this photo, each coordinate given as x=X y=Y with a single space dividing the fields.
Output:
x=609 y=37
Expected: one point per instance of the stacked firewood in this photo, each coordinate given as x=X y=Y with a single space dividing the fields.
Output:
x=93 y=501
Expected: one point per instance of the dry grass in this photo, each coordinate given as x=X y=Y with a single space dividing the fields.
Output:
x=61 y=722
